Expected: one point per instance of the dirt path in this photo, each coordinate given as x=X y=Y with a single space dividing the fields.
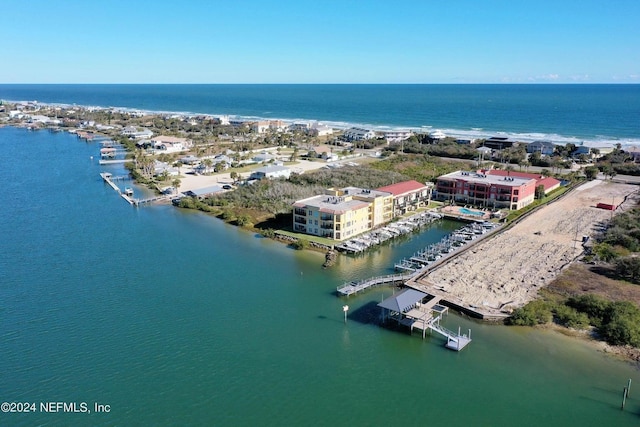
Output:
x=507 y=271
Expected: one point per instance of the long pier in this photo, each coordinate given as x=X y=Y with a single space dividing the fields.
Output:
x=351 y=288
x=111 y=162
x=109 y=179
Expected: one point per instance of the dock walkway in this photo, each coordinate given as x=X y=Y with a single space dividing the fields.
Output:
x=351 y=288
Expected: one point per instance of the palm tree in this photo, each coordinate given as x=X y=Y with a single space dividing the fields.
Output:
x=176 y=184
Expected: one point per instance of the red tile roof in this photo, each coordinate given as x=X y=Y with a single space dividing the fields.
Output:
x=548 y=183
x=403 y=187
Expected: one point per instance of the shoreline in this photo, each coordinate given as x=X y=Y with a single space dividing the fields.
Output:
x=468 y=133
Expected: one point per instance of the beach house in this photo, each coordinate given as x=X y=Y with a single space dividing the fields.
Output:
x=358 y=134
x=546 y=148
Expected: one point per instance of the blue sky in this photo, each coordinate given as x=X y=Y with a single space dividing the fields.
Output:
x=323 y=41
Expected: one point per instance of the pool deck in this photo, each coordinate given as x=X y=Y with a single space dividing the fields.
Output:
x=455 y=212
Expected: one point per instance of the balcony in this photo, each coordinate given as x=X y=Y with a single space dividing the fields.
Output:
x=301 y=212
x=299 y=220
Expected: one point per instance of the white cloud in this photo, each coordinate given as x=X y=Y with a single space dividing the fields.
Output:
x=580 y=77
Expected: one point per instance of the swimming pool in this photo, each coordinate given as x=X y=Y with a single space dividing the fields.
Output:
x=466 y=211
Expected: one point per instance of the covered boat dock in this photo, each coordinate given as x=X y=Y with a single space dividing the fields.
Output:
x=418 y=310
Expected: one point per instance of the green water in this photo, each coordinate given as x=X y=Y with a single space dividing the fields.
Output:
x=173 y=318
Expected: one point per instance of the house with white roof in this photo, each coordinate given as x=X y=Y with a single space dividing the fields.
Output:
x=134 y=133
x=318 y=129
x=271 y=171
x=358 y=134
x=170 y=144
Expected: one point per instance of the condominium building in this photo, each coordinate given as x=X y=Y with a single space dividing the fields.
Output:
x=342 y=213
x=482 y=189
x=408 y=195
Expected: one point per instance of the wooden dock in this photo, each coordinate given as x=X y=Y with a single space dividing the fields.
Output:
x=351 y=288
x=109 y=179
x=409 y=308
x=111 y=162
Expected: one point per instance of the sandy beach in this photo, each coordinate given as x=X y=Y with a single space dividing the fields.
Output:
x=506 y=271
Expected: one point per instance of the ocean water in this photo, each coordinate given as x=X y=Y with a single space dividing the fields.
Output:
x=171 y=317
x=593 y=114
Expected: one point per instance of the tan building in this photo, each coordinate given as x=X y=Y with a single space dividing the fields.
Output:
x=342 y=213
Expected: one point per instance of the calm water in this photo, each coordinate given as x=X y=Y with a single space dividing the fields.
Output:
x=174 y=318
x=563 y=113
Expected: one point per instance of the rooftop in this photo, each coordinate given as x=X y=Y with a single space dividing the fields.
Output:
x=331 y=204
x=482 y=178
x=403 y=187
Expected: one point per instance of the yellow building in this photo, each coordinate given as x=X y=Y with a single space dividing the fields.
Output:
x=342 y=213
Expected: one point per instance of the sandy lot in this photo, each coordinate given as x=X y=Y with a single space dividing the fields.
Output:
x=507 y=270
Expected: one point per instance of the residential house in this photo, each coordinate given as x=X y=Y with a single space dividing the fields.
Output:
x=437 y=135
x=325 y=152
x=546 y=148
x=499 y=142
x=397 y=135
x=170 y=144
x=278 y=126
x=201 y=193
x=271 y=171
x=358 y=134
x=133 y=133
x=259 y=127
x=317 y=129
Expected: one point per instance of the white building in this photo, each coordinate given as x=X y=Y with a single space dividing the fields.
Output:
x=318 y=129
x=133 y=133
x=271 y=172
x=261 y=126
x=397 y=135
x=171 y=144
x=358 y=134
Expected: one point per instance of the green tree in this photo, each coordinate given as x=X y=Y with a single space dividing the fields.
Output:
x=621 y=324
x=628 y=267
x=540 y=192
x=176 y=183
x=591 y=172
x=605 y=252
x=536 y=312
